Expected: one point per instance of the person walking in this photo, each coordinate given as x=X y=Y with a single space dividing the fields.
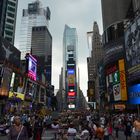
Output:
x=71 y=132
x=17 y=131
x=137 y=128
x=128 y=128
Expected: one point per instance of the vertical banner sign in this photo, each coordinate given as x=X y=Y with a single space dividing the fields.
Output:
x=122 y=80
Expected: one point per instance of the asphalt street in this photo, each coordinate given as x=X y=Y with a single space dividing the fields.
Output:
x=49 y=136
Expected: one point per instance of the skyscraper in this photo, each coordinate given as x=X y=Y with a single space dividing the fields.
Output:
x=8 y=11
x=70 y=66
x=34 y=16
x=41 y=47
x=93 y=61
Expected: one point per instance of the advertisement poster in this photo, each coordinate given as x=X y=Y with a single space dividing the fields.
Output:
x=132 y=47
x=116 y=92
x=9 y=53
x=134 y=94
x=71 y=79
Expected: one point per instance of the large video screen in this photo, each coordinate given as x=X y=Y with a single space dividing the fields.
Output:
x=134 y=94
x=116 y=82
x=32 y=67
x=132 y=47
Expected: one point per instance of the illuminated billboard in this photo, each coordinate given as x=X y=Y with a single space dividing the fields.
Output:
x=116 y=82
x=70 y=71
x=134 y=94
x=9 y=53
x=71 y=80
x=71 y=106
x=71 y=93
x=16 y=94
x=31 y=67
x=132 y=49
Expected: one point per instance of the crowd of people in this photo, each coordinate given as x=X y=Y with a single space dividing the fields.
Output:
x=72 y=125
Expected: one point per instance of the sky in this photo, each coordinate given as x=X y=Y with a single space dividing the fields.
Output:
x=79 y=14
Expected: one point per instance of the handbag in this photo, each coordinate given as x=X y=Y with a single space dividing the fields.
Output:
x=20 y=132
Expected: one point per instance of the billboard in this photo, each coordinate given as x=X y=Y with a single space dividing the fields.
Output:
x=116 y=82
x=70 y=71
x=5 y=84
x=71 y=93
x=16 y=94
x=119 y=106
x=132 y=47
x=71 y=106
x=31 y=66
x=123 y=87
x=134 y=94
x=9 y=53
x=71 y=80
x=30 y=90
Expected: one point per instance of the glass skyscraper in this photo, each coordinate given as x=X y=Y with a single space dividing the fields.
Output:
x=8 y=11
x=34 y=16
x=70 y=66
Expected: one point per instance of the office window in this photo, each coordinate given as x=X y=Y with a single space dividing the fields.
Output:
x=8 y=33
x=10 y=20
x=9 y=26
x=11 y=9
x=10 y=14
x=11 y=3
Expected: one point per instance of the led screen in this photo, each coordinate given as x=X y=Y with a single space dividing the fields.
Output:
x=71 y=93
x=71 y=106
x=70 y=71
x=134 y=94
x=32 y=67
x=132 y=47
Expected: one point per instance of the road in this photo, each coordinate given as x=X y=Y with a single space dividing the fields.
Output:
x=49 y=136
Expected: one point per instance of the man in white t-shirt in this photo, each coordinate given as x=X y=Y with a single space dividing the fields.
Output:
x=84 y=134
x=71 y=132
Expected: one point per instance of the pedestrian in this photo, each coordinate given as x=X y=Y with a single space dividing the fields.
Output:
x=55 y=127
x=71 y=132
x=38 y=128
x=99 y=132
x=17 y=131
x=106 y=132
x=85 y=133
x=137 y=128
x=127 y=128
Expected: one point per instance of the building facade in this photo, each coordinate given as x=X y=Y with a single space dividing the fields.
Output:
x=8 y=12
x=92 y=63
x=34 y=16
x=70 y=70
x=115 y=22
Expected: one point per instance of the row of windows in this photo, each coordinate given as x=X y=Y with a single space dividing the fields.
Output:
x=11 y=3
x=11 y=9
x=10 y=21
x=8 y=39
x=114 y=32
x=39 y=28
x=10 y=14
x=9 y=26
x=10 y=33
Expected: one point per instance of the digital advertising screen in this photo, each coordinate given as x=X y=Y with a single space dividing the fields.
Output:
x=71 y=106
x=134 y=94
x=132 y=48
x=71 y=80
x=70 y=71
x=116 y=82
x=32 y=67
x=71 y=93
